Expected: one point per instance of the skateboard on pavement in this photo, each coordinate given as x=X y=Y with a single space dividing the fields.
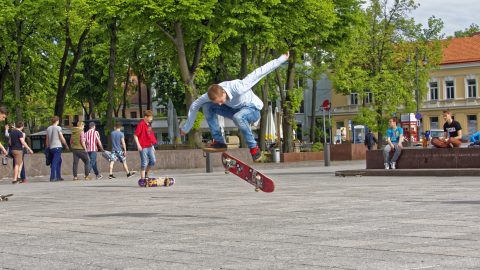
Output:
x=5 y=197
x=156 y=182
x=247 y=173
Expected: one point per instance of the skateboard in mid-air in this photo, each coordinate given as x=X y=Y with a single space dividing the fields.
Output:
x=247 y=173
x=157 y=182
x=5 y=197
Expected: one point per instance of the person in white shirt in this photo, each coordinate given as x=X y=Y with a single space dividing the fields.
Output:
x=235 y=100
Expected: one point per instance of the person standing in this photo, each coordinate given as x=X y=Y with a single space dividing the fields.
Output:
x=394 y=142
x=453 y=132
x=23 y=177
x=17 y=144
x=79 y=150
x=370 y=140
x=119 y=151
x=54 y=141
x=93 y=143
x=145 y=139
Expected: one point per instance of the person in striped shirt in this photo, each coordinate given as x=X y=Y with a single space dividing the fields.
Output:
x=93 y=142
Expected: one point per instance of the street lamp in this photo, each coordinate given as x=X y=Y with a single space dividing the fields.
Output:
x=417 y=94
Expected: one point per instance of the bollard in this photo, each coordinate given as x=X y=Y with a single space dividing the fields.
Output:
x=326 y=154
x=209 y=167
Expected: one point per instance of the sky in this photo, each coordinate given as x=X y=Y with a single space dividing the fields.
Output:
x=455 y=14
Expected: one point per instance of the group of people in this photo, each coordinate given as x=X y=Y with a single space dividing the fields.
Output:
x=394 y=138
x=84 y=146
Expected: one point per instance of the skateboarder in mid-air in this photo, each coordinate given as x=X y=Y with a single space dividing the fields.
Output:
x=235 y=100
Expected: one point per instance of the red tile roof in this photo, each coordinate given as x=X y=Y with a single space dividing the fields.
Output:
x=462 y=50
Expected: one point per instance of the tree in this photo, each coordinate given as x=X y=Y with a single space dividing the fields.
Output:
x=468 y=32
x=372 y=61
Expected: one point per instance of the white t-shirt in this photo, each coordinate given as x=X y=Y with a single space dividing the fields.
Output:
x=53 y=135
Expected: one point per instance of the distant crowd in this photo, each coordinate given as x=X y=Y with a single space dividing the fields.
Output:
x=84 y=146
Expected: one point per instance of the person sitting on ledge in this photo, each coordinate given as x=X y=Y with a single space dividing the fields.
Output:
x=453 y=133
x=394 y=141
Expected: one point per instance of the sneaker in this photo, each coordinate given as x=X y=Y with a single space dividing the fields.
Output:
x=99 y=177
x=22 y=181
x=111 y=176
x=217 y=146
x=87 y=177
x=386 y=166
x=15 y=182
x=256 y=154
x=75 y=178
x=392 y=165
x=131 y=173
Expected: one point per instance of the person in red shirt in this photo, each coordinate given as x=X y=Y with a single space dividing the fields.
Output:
x=145 y=140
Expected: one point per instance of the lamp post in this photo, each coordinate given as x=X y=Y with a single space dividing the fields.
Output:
x=417 y=90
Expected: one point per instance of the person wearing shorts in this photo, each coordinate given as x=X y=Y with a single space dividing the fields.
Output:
x=145 y=140
x=17 y=144
x=119 y=151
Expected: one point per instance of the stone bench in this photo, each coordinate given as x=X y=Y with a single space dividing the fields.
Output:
x=428 y=158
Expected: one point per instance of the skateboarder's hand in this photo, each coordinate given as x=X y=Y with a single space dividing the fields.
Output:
x=287 y=54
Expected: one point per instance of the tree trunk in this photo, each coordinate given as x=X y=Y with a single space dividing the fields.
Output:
x=149 y=96
x=288 y=115
x=111 y=77
x=263 y=113
x=3 y=79
x=125 y=91
x=139 y=87
x=244 y=61
x=313 y=122
x=17 y=86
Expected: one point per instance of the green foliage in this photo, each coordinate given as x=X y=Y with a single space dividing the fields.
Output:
x=317 y=147
x=198 y=121
x=468 y=32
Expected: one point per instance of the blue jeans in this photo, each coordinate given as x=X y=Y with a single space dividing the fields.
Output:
x=147 y=158
x=93 y=162
x=242 y=117
x=56 y=165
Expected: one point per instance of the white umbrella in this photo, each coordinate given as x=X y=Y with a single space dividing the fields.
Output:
x=278 y=120
x=271 y=131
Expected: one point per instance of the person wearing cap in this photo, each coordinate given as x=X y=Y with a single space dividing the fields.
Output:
x=93 y=142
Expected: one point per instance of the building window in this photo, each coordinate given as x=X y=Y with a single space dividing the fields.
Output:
x=354 y=99
x=450 y=87
x=433 y=90
x=433 y=122
x=368 y=98
x=472 y=124
x=472 y=88
x=133 y=114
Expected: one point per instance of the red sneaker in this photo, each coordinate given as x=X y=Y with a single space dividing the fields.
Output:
x=256 y=154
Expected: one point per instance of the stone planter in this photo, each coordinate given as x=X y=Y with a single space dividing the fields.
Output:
x=301 y=156
x=347 y=151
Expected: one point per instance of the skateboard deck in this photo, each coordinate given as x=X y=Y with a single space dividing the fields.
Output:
x=247 y=173
x=157 y=182
x=5 y=197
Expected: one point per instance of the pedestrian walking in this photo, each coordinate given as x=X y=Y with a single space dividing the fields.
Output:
x=54 y=141
x=3 y=115
x=93 y=143
x=79 y=150
x=119 y=151
x=17 y=145
x=370 y=140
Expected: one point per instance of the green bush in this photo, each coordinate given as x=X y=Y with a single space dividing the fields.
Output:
x=317 y=147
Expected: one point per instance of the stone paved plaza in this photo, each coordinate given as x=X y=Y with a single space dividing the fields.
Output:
x=313 y=220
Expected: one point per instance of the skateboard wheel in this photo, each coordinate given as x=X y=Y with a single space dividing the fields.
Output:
x=6 y=199
x=227 y=172
x=258 y=177
x=257 y=189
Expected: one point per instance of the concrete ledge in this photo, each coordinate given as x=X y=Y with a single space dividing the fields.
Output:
x=410 y=172
x=347 y=151
x=301 y=156
x=428 y=158
x=166 y=159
